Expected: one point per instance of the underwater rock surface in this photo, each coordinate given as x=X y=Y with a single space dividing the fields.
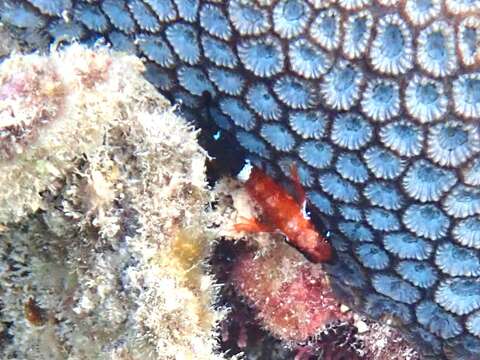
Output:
x=376 y=101
x=103 y=236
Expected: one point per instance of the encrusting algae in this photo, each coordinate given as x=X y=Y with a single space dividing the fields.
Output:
x=104 y=244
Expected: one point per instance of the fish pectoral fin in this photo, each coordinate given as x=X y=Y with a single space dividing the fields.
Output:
x=253 y=225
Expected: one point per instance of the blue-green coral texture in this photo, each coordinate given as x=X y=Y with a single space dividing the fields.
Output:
x=376 y=101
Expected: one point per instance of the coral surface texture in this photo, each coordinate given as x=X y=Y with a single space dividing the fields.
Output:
x=103 y=240
x=377 y=102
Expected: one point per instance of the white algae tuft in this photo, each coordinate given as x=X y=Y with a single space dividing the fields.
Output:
x=103 y=240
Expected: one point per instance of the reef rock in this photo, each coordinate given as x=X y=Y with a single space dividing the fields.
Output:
x=103 y=241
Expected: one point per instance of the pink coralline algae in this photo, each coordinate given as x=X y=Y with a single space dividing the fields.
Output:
x=294 y=300
x=21 y=94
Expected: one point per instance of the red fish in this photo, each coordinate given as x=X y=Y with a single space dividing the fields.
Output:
x=281 y=212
